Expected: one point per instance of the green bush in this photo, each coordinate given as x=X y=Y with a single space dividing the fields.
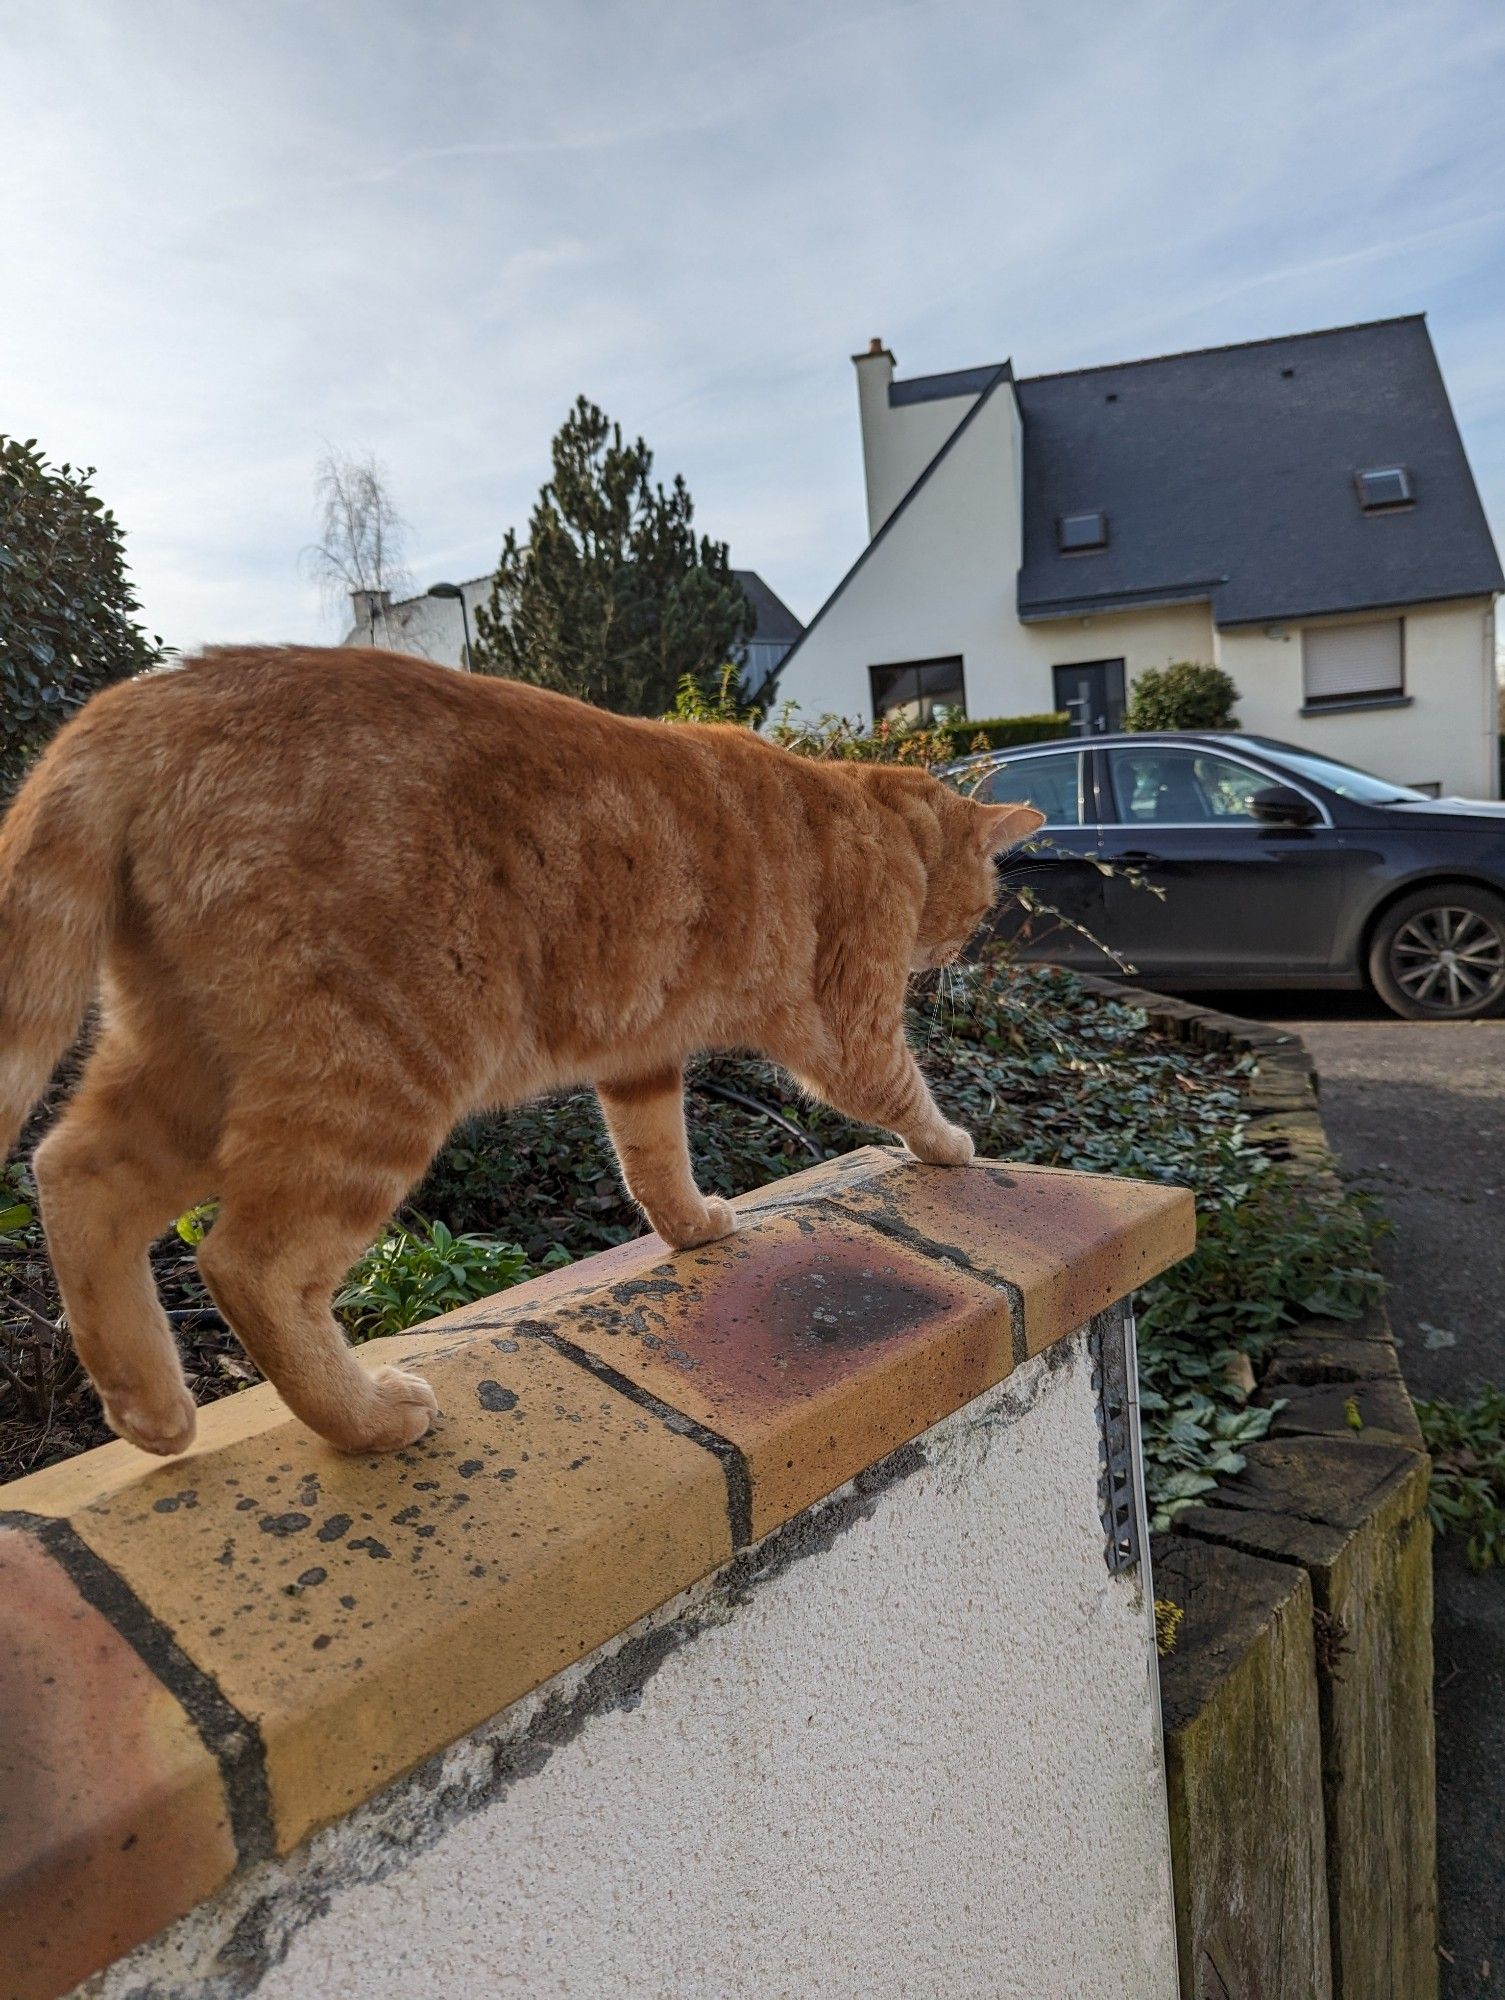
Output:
x=1188 y=694
x=414 y=1274
x=67 y=622
x=1000 y=732
x=893 y=740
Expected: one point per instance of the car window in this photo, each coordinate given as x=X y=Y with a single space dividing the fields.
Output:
x=1361 y=786
x=1051 y=784
x=1162 y=785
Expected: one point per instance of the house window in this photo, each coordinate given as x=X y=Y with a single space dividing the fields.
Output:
x=1077 y=534
x=1344 y=663
x=1384 y=487
x=917 y=690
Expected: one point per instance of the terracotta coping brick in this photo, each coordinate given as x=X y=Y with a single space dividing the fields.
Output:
x=113 y=1814
x=278 y=1631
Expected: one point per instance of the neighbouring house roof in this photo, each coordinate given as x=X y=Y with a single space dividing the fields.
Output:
x=776 y=623
x=1228 y=474
x=932 y=388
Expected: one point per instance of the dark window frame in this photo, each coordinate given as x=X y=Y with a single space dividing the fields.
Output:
x=922 y=700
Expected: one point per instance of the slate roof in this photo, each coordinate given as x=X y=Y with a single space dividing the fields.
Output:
x=776 y=624
x=932 y=388
x=1228 y=474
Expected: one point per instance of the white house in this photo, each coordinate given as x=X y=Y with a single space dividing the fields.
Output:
x=435 y=627
x=1299 y=511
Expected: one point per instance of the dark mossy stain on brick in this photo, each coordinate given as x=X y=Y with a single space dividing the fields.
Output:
x=492 y=1396
x=284 y=1524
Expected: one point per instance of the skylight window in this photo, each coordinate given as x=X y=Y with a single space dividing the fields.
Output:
x=1077 y=534
x=1384 y=487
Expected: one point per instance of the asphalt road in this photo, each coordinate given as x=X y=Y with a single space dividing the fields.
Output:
x=1417 y=1114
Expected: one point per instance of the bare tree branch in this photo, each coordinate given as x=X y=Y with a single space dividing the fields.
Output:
x=360 y=544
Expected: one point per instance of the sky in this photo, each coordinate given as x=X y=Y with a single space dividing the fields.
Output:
x=235 y=237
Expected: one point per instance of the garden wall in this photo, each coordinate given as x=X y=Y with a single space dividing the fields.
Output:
x=770 y=1618
x=1298 y=1693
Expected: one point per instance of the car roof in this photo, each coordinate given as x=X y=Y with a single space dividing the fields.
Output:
x=1223 y=738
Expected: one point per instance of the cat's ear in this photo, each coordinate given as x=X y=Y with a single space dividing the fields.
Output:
x=1002 y=826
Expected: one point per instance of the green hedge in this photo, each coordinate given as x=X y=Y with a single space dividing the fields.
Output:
x=1002 y=732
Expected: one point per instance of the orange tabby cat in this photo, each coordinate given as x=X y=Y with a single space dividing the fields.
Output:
x=335 y=901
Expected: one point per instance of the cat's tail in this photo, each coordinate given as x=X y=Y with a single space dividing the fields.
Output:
x=61 y=849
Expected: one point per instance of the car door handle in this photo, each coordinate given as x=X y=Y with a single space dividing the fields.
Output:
x=1140 y=856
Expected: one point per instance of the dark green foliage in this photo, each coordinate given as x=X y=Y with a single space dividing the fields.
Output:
x=414 y=1274
x=66 y=605
x=1000 y=732
x=1188 y=694
x=612 y=598
x=1467 y=1443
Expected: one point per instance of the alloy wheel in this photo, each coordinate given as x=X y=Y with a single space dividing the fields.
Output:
x=1448 y=960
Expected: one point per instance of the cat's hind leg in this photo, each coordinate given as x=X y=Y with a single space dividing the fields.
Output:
x=133 y=1149
x=646 y=1119
x=304 y=1190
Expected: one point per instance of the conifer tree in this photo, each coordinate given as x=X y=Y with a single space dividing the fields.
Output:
x=612 y=598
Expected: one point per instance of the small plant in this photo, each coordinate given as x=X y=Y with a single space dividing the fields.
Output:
x=193 y=1224
x=723 y=703
x=1467 y=1443
x=16 y=1212
x=412 y=1274
x=1188 y=694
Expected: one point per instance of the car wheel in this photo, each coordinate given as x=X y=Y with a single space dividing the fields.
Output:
x=1439 y=955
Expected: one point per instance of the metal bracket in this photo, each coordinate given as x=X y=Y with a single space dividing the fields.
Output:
x=1110 y=1342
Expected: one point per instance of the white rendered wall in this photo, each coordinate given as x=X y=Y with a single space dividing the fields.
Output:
x=1447 y=735
x=920 y=1759
x=898 y=442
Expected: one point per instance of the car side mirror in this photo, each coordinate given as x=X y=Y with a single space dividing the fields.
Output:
x=1283 y=805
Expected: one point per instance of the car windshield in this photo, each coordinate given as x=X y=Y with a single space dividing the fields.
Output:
x=1361 y=786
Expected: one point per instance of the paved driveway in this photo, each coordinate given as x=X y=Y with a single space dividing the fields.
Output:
x=1418 y=1115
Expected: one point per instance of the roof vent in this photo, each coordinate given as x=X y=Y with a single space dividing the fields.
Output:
x=1384 y=487
x=1078 y=534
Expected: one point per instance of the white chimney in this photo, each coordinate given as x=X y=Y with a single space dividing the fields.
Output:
x=875 y=370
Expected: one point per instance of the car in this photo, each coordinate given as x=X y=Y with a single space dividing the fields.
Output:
x=1219 y=859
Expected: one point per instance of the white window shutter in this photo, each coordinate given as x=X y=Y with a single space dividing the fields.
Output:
x=1347 y=662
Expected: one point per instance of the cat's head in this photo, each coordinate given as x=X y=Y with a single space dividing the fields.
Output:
x=960 y=857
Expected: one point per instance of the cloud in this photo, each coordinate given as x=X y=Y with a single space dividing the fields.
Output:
x=231 y=235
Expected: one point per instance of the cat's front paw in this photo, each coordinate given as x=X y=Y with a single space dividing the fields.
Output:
x=715 y=1220
x=397 y=1410
x=164 y=1421
x=943 y=1146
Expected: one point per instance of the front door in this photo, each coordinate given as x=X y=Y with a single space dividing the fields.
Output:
x=1234 y=896
x=1092 y=694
